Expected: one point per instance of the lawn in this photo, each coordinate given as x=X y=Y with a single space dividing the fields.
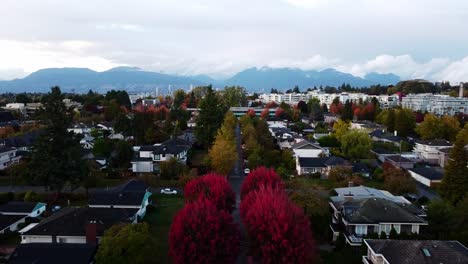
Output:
x=160 y=218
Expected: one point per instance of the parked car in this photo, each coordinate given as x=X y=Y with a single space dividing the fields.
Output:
x=246 y=170
x=168 y=191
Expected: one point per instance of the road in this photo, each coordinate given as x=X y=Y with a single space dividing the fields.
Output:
x=235 y=179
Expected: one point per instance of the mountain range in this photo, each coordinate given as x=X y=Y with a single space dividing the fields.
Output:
x=134 y=79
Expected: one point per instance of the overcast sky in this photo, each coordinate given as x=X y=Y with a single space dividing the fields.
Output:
x=411 y=38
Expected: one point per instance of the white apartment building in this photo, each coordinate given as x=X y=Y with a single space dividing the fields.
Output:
x=436 y=104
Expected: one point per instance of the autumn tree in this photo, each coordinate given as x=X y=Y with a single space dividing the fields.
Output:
x=212 y=187
x=433 y=127
x=172 y=169
x=356 y=144
x=341 y=128
x=200 y=233
x=223 y=153
x=277 y=229
x=261 y=176
x=126 y=243
x=455 y=181
x=398 y=181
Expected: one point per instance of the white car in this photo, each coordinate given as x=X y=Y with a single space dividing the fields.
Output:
x=168 y=191
x=246 y=170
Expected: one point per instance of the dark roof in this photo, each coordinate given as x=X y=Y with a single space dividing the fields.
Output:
x=382 y=151
x=47 y=253
x=337 y=161
x=413 y=251
x=72 y=221
x=375 y=210
x=398 y=158
x=359 y=167
x=8 y=220
x=304 y=143
x=378 y=133
x=429 y=173
x=435 y=142
x=18 y=207
x=130 y=193
x=6 y=149
x=6 y=116
x=172 y=146
x=26 y=140
x=312 y=162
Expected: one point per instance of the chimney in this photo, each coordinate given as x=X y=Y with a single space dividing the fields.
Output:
x=91 y=233
x=461 y=91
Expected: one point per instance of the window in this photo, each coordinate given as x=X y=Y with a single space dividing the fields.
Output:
x=385 y=228
x=397 y=228
x=361 y=229
x=415 y=229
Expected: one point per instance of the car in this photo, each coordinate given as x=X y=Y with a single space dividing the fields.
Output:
x=246 y=170
x=168 y=191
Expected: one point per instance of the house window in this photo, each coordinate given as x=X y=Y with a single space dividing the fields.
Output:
x=397 y=228
x=385 y=228
x=361 y=229
x=415 y=229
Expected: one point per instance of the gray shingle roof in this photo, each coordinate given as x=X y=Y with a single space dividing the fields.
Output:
x=429 y=173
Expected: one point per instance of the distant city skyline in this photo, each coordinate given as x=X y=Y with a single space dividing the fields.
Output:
x=412 y=39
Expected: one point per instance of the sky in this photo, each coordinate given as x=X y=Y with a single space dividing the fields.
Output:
x=411 y=38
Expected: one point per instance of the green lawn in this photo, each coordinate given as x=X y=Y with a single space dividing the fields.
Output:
x=160 y=218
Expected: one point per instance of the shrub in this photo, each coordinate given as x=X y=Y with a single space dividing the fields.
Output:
x=200 y=233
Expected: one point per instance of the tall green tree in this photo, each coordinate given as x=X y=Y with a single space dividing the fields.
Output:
x=405 y=122
x=455 y=181
x=234 y=96
x=56 y=155
x=347 y=114
x=210 y=118
x=356 y=144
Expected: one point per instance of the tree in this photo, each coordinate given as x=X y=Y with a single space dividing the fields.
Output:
x=440 y=216
x=341 y=127
x=126 y=243
x=209 y=118
x=390 y=120
x=123 y=154
x=347 y=113
x=202 y=234
x=329 y=141
x=278 y=230
x=455 y=181
x=23 y=98
x=212 y=187
x=122 y=124
x=356 y=144
x=398 y=181
x=56 y=155
x=172 y=169
x=234 y=96
x=102 y=147
x=433 y=127
x=223 y=154
x=259 y=177
x=405 y=122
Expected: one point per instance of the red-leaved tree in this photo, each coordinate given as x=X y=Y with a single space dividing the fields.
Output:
x=261 y=176
x=200 y=233
x=265 y=113
x=212 y=187
x=251 y=113
x=277 y=229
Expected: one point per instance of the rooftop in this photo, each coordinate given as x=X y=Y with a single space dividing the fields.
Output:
x=46 y=253
x=419 y=251
x=18 y=207
x=429 y=173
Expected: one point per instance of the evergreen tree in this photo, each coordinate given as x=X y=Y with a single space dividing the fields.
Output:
x=390 y=120
x=455 y=181
x=209 y=118
x=56 y=155
x=405 y=122
x=347 y=114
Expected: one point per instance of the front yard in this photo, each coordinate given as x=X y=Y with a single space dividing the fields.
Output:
x=160 y=219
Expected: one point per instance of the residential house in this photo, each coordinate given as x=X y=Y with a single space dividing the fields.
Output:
x=365 y=125
x=8 y=156
x=76 y=225
x=427 y=176
x=389 y=251
x=400 y=162
x=382 y=153
x=12 y=214
x=45 y=253
x=433 y=151
x=80 y=128
x=307 y=149
x=367 y=192
x=148 y=157
x=379 y=135
x=131 y=195
x=322 y=165
x=21 y=143
x=356 y=217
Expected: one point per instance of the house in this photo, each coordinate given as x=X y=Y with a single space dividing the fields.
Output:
x=382 y=153
x=399 y=161
x=80 y=128
x=380 y=135
x=365 y=125
x=76 y=225
x=23 y=142
x=148 y=157
x=323 y=165
x=45 y=253
x=389 y=251
x=427 y=176
x=307 y=149
x=8 y=156
x=367 y=192
x=131 y=195
x=12 y=214
x=360 y=216
x=87 y=142
x=433 y=151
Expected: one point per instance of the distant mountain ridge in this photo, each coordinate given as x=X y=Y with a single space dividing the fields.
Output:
x=134 y=79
